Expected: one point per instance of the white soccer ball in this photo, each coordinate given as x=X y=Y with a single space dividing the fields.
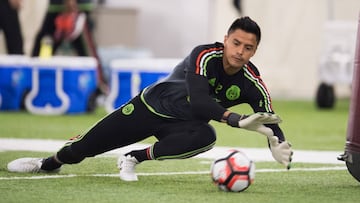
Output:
x=234 y=172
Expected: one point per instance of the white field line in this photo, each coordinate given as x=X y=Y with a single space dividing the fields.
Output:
x=171 y=173
x=256 y=154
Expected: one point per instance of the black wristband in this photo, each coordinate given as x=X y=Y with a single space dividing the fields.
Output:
x=233 y=119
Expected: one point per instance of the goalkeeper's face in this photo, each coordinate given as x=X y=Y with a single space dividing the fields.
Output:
x=239 y=47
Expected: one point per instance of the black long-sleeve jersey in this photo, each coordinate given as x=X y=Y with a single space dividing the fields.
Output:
x=198 y=88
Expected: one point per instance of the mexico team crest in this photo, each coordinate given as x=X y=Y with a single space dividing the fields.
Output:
x=233 y=92
x=128 y=109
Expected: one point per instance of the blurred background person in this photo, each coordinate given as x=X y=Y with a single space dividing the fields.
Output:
x=68 y=21
x=10 y=25
x=238 y=6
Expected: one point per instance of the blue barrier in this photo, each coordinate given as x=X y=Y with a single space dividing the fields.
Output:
x=130 y=76
x=15 y=81
x=61 y=85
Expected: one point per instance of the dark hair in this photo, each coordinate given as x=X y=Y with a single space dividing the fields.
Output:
x=248 y=25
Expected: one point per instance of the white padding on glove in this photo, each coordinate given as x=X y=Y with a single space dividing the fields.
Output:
x=281 y=152
x=256 y=121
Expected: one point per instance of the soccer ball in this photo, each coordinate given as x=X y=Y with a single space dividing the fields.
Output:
x=234 y=172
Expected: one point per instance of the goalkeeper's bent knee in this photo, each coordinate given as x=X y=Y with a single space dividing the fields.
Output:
x=66 y=155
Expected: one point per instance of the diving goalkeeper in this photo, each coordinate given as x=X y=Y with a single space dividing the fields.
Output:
x=177 y=110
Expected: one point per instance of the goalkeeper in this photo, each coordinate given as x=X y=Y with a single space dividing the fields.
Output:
x=177 y=110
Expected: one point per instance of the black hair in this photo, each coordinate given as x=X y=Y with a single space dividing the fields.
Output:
x=246 y=24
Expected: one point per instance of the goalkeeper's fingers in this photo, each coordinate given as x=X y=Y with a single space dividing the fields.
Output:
x=281 y=151
x=287 y=154
x=262 y=118
x=259 y=119
x=268 y=118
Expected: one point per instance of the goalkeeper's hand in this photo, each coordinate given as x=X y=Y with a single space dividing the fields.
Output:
x=281 y=152
x=253 y=122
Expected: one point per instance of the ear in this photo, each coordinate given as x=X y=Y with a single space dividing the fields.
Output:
x=225 y=38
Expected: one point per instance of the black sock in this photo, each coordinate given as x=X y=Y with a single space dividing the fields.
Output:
x=140 y=155
x=50 y=164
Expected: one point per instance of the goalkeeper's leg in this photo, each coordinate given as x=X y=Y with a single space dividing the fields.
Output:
x=179 y=141
x=176 y=141
x=114 y=131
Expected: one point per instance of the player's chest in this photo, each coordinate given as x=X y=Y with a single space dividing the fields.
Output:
x=223 y=87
